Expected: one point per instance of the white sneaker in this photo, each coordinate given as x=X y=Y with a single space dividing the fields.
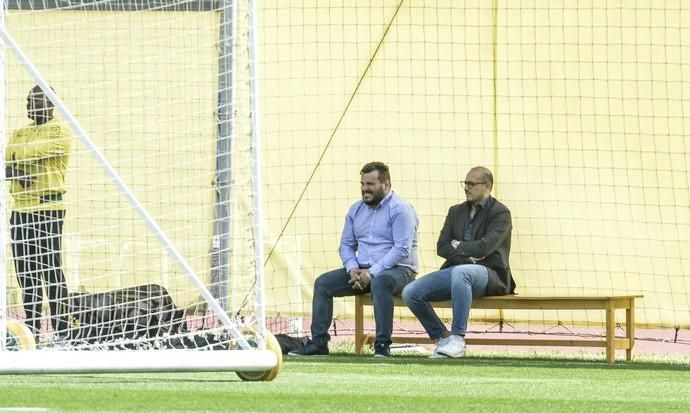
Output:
x=451 y=346
x=436 y=355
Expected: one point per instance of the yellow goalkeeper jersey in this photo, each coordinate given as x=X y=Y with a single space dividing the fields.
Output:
x=42 y=152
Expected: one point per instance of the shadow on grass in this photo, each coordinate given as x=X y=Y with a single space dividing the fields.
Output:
x=562 y=362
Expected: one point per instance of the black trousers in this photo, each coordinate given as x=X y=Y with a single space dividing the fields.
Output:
x=36 y=247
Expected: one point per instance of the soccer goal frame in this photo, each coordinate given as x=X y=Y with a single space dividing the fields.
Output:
x=256 y=354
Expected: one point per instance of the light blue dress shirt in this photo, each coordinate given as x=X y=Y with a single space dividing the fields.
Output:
x=380 y=237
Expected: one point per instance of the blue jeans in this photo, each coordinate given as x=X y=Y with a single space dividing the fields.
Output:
x=383 y=287
x=460 y=284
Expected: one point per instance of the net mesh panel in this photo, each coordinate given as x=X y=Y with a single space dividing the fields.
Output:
x=578 y=109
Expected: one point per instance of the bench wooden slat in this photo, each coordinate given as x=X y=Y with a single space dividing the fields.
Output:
x=518 y=302
x=609 y=304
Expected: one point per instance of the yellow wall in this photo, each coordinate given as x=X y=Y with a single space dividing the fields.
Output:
x=580 y=108
x=143 y=85
x=597 y=168
x=588 y=144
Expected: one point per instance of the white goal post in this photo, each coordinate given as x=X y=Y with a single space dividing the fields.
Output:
x=139 y=324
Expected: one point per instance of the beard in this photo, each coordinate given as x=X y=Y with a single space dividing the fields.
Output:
x=373 y=198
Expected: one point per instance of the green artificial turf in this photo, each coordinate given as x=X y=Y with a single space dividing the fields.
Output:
x=349 y=383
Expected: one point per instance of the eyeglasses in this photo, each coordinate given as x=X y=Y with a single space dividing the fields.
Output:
x=470 y=184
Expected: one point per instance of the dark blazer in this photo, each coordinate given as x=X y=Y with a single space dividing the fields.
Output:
x=490 y=239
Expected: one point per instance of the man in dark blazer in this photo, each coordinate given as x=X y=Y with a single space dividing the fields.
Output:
x=475 y=241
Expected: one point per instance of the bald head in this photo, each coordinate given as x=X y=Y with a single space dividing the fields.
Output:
x=485 y=175
x=478 y=184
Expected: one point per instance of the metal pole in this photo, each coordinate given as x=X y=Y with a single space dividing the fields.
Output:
x=3 y=192
x=256 y=167
x=221 y=250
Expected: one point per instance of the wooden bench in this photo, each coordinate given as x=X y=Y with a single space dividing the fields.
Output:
x=609 y=304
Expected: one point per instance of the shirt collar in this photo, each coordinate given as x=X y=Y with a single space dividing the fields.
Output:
x=483 y=202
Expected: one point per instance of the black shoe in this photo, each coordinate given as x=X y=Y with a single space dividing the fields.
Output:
x=310 y=349
x=382 y=350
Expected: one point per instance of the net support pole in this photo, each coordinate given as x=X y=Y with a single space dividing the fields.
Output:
x=256 y=167
x=3 y=191
x=225 y=135
x=10 y=43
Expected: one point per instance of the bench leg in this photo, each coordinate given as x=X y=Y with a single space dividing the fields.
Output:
x=630 y=329
x=610 y=332
x=359 y=325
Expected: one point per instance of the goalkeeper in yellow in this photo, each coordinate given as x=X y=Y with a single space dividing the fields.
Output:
x=35 y=163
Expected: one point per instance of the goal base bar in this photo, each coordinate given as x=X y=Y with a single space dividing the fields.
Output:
x=62 y=361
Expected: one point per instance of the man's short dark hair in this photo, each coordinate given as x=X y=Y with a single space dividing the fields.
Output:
x=384 y=174
x=38 y=90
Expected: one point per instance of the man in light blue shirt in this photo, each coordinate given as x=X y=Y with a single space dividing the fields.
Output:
x=378 y=249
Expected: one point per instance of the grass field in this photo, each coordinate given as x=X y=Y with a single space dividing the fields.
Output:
x=348 y=383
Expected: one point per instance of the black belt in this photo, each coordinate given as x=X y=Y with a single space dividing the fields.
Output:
x=50 y=198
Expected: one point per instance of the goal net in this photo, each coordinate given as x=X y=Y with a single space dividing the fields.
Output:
x=578 y=108
x=132 y=161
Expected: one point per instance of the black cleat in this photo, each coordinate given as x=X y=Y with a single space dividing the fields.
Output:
x=382 y=350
